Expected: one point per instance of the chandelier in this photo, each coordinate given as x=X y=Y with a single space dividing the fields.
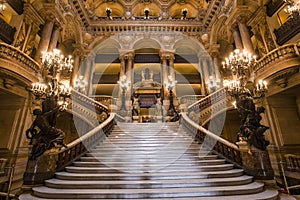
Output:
x=240 y=63
x=293 y=7
x=54 y=63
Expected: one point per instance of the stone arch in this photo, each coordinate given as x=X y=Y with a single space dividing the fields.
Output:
x=175 y=10
x=72 y=30
x=215 y=31
x=109 y=45
x=188 y=44
x=147 y=43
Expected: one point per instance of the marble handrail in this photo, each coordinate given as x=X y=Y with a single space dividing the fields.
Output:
x=221 y=146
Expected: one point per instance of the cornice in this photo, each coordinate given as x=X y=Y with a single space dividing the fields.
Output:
x=32 y=15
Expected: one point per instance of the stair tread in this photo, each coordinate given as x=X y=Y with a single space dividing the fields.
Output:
x=267 y=194
x=253 y=185
x=157 y=161
x=91 y=182
x=172 y=174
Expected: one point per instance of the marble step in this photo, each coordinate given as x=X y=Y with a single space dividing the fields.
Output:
x=264 y=195
x=46 y=192
x=144 y=184
x=111 y=168
x=146 y=160
x=188 y=165
x=194 y=156
x=153 y=176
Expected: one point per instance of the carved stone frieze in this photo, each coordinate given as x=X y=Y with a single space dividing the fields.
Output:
x=281 y=78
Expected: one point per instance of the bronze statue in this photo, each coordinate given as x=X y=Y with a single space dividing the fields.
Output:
x=47 y=137
x=251 y=129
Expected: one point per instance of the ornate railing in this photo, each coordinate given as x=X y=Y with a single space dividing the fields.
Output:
x=210 y=106
x=211 y=141
x=190 y=99
x=89 y=103
x=79 y=147
x=89 y=111
x=292 y=162
x=11 y=53
x=267 y=63
x=105 y=100
x=147 y=26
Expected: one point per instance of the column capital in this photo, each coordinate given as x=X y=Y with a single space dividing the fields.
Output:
x=127 y=56
x=167 y=55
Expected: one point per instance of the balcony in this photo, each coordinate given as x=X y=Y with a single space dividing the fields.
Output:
x=7 y=32
x=277 y=60
x=288 y=30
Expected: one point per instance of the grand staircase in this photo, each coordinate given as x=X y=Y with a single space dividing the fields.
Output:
x=150 y=161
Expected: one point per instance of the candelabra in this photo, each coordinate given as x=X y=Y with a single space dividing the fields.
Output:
x=170 y=84
x=213 y=85
x=293 y=7
x=54 y=95
x=124 y=86
x=53 y=63
x=80 y=84
x=239 y=63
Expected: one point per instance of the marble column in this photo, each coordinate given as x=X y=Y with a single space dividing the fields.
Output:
x=28 y=32
x=122 y=67
x=88 y=73
x=237 y=38
x=205 y=68
x=172 y=71
x=202 y=81
x=164 y=76
x=129 y=72
x=54 y=38
x=75 y=72
x=245 y=35
x=45 y=39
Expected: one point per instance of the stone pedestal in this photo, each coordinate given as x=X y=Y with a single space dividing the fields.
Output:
x=40 y=169
x=256 y=162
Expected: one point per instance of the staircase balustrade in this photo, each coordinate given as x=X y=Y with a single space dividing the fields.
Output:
x=255 y=162
x=89 y=103
x=219 y=145
x=210 y=106
x=78 y=147
x=11 y=53
x=88 y=110
x=92 y=110
x=105 y=100
x=293 y=162
x=190 y=99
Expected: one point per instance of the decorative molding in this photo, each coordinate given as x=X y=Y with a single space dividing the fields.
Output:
x=281 y=78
